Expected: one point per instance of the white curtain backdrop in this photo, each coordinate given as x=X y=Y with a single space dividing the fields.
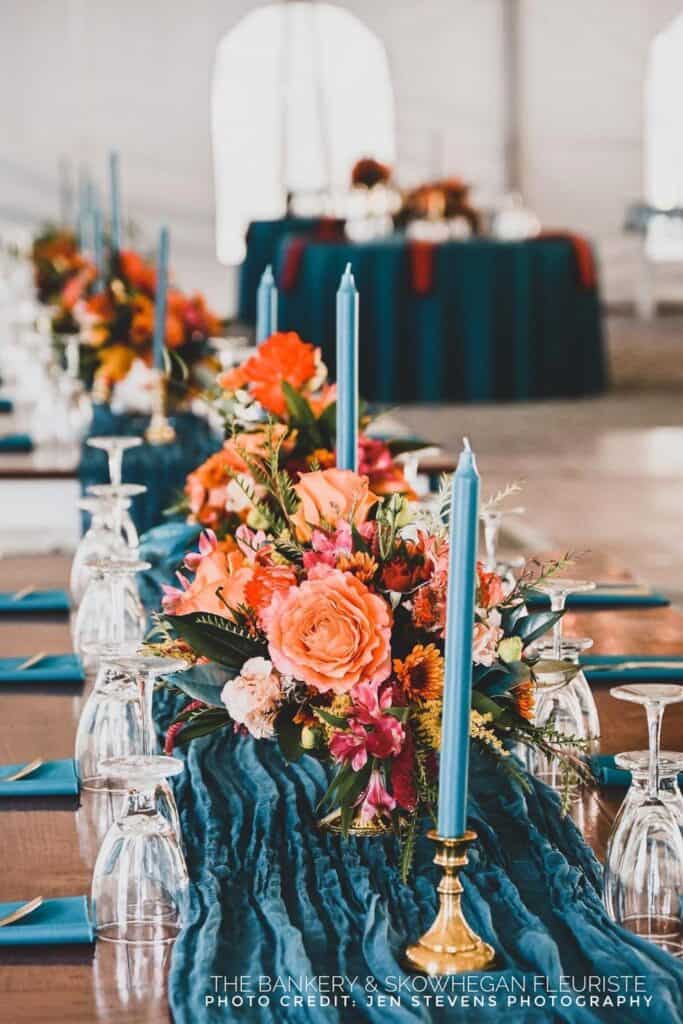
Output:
x=301 y=90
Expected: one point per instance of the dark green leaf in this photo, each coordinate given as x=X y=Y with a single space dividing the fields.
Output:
x=202 y=682
x=530 y=627
x=288 y=733
x=217 y=638
x=336 y=721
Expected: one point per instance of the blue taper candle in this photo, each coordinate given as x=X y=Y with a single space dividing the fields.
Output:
x=160 y=304
x=84 y=212
x=115 y=198
x=266 y=306
x=98 y=248
x=457 y=696
x=347 y=372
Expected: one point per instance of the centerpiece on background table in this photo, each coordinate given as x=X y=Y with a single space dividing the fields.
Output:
x=113 y=318
x=324 y=630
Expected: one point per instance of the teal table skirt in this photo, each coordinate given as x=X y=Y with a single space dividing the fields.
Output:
x=263 y=240
x=501 y=320
x=162 y=468
x=275 y=901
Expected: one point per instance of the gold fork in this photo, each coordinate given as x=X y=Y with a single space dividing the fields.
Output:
x=23 y=911
x=24 y=592
x=31 y=662
x=21 y=773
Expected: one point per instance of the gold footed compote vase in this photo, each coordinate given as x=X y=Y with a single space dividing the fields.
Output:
x=450 y=946
x=160 y=430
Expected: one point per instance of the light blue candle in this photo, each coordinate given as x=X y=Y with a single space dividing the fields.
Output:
x=98 y=248
x=84 y=212
x=266 y=306
x=115 y=195
x=347 y=372
x=457 y=696
x=160 y=304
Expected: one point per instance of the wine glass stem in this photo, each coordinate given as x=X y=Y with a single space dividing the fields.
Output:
x=117 y=584
x=147 y=701
x=655 y=713
x=115 y=466
x=557 y=603
x=491 y=529
x=140 y=801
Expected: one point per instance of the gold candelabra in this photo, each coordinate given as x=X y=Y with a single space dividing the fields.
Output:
x=450 y=946
x=160 y=431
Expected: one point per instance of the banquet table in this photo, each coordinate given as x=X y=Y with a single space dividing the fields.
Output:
x=474 y=320
x=47 y=847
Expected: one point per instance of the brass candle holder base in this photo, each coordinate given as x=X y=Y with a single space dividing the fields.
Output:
x=160 y=430
x=450 y=946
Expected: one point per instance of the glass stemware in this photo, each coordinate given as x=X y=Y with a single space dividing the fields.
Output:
x=644 y=869
x=140 y=881
x=120 y=496
x=98 y=542
x=146 y=669
x=111 y=614
x=115 y=447
x=558 y=590
x=571 y=650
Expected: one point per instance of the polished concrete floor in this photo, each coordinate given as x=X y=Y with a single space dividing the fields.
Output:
x=602 y=474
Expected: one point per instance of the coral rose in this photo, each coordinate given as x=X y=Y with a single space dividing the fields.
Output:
x=331 y=632
x=228 y=572
x=328 y=496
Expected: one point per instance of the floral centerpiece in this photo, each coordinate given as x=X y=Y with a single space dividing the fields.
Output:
x=324 y=631
x=116 y=326
x=281 y=393
x=56 y=260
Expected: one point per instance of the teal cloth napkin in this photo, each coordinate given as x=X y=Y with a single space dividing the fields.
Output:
x=53 y=668
x=606 y=772
x=620 y=674
x=603 y=598
x=36 y=601
x=6 y=405
x=16 y=443
x=57 y=922
x=54 y=778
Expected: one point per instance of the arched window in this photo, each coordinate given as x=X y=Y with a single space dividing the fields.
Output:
x=663 y=122
x=301 y=90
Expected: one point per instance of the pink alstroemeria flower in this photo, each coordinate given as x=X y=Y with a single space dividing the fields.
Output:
x=328 y=546
x=171 y=595
x=351 y=746
x=250 y=542
x=386 y=735
x=208 y=542
x=377 y=801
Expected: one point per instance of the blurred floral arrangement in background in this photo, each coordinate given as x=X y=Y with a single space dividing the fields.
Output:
x=56 y=259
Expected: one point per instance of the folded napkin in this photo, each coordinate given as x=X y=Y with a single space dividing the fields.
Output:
x=607 y=774
x=53 y=668
x=16 y=443
x=630 y=596
x=54 y=778
x=632 y=668
x=37 y=601
x=56 y=922
x=6 y=405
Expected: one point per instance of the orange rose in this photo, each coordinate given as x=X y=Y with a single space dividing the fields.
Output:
x=227 y=571
x=331 y=632
x=328 y=496
x=282 y=357
x=267 y=581
x=137 y=271
x=175 y=332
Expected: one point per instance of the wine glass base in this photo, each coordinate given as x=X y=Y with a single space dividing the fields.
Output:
x=664 y=931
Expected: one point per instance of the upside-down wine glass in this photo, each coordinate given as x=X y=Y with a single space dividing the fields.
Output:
x=98 y=542
x=140 y=881
x=556 y=704
x=558 y=590
x=571 y=650
x=146 y=669
x=644 y=869
x=111 y=615
x=122 y=522
x=115 y=447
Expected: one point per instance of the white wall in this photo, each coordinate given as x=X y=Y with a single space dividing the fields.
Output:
x=582 y=68
x=78 y=76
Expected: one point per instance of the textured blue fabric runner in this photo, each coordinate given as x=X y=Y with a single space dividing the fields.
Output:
x=273 y=896
x=162 y=468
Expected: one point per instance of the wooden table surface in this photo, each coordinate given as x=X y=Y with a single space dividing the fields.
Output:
x=48 y=847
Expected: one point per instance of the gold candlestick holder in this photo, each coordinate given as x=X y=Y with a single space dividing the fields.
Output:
x=160 y=431
x=450 y=946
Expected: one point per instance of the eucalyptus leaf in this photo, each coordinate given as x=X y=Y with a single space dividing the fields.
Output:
x=202 y=682
x=530 y=627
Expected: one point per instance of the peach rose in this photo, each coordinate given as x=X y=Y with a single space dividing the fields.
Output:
x=330 y=495
x=228 y=571
x=331 y=632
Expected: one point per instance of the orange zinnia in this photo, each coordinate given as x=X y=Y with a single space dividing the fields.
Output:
x=267 y=581
x=421 y=673
x=137 y=271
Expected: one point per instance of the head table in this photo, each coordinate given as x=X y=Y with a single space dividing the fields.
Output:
x=273 y=898
x=473 y=320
